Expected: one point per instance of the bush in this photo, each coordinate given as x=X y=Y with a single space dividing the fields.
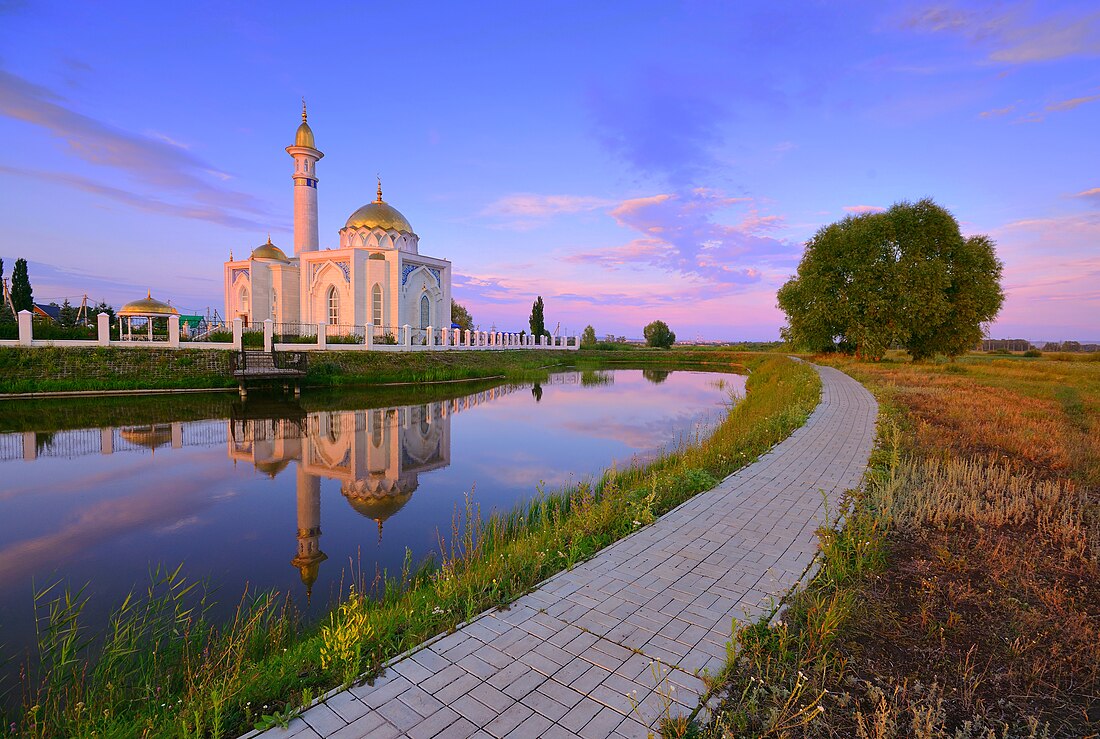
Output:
x=1033 y=353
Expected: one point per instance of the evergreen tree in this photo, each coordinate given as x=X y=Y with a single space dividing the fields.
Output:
x=101 y=307
x=21 y=295
x=67 y=316
x=537 y=320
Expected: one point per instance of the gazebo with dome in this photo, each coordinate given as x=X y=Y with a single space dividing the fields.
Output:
x=147 y=310
x=375 y=278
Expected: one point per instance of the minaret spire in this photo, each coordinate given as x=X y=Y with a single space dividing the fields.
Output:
x=305 y=155
x=379 y=200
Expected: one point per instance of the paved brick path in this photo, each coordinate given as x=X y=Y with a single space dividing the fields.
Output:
x=609 y=647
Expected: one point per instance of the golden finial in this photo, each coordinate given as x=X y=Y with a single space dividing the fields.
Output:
x=230 y=254
x=269 y=239
x=148 y=294
x=303 y=109
x=379 y=189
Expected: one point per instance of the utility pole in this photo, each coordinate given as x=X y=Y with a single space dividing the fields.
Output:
x=82 y=314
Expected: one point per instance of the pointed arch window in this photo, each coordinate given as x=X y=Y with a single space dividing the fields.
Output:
x=274 y=306
x=376 y=305
x=333 y=306
x=425 y=312
x=244 y=300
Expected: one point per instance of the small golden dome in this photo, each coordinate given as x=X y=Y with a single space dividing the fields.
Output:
x=379 y=214
x=304 y=136
x=269 y=251
x=147 y=306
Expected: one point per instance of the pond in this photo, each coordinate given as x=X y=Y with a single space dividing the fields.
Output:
x=290 y=496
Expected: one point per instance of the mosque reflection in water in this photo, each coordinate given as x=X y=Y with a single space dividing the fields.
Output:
x=376 y=455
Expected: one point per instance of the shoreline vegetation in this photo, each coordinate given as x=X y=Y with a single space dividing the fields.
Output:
x=960 y=595
x=161 y=669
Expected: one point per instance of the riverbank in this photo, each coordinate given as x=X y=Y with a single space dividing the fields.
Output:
x=25 y=371
x=962 y=592
x=221 y=680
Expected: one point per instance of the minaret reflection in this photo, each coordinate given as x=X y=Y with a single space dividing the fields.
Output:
x=376 y=455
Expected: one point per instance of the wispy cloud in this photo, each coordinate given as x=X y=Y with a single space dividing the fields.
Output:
x=1014 y=35
x=154 y=160
x=861 y=209
x=210 y=212
x=660 y=126
x=523 y=211
x=1092 y=194
x=998 y=112
x=1072 y=103
x=678 y=235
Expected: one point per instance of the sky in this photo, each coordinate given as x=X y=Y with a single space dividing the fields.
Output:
x=626 y=161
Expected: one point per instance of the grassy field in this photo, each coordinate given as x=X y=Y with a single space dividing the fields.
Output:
x=961 y=595
x=162 y=670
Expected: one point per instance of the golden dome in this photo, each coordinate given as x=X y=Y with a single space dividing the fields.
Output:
x=379 y=214
x=304 y=135
x=147 y=306
x=268 y=251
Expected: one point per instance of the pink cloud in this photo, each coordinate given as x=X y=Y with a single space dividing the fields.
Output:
x=861 y=209
x=524 y=211
x=1093 y=193
x=1072 y=103
x=680 y=236
x=1014 y=35
x=1050 y=277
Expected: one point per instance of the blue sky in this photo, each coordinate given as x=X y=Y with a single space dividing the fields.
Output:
x=627 y=161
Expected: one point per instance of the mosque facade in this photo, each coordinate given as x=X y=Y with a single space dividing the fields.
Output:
x=375 y=277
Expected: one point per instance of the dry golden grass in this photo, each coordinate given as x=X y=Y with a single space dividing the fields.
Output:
x=962 y=592
x=992 y=589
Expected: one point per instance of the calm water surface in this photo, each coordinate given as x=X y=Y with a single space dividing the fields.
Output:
x=278 y=497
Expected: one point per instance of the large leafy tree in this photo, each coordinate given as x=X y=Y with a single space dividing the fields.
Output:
x=21 y=295
x=904 y=277
x=658 y=334
x=461 y=316
x=537 y=321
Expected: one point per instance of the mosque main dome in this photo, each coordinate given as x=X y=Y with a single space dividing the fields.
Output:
x=269 y=251
x=379 y=214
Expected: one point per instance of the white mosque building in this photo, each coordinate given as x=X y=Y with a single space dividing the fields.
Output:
x=376 y=277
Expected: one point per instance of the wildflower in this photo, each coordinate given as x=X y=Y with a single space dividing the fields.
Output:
x=820 y=708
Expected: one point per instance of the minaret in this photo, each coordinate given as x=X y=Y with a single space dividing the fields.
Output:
x=306 y=155
x=310 y=555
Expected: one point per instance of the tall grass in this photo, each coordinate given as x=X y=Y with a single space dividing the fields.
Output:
x=172 y=673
